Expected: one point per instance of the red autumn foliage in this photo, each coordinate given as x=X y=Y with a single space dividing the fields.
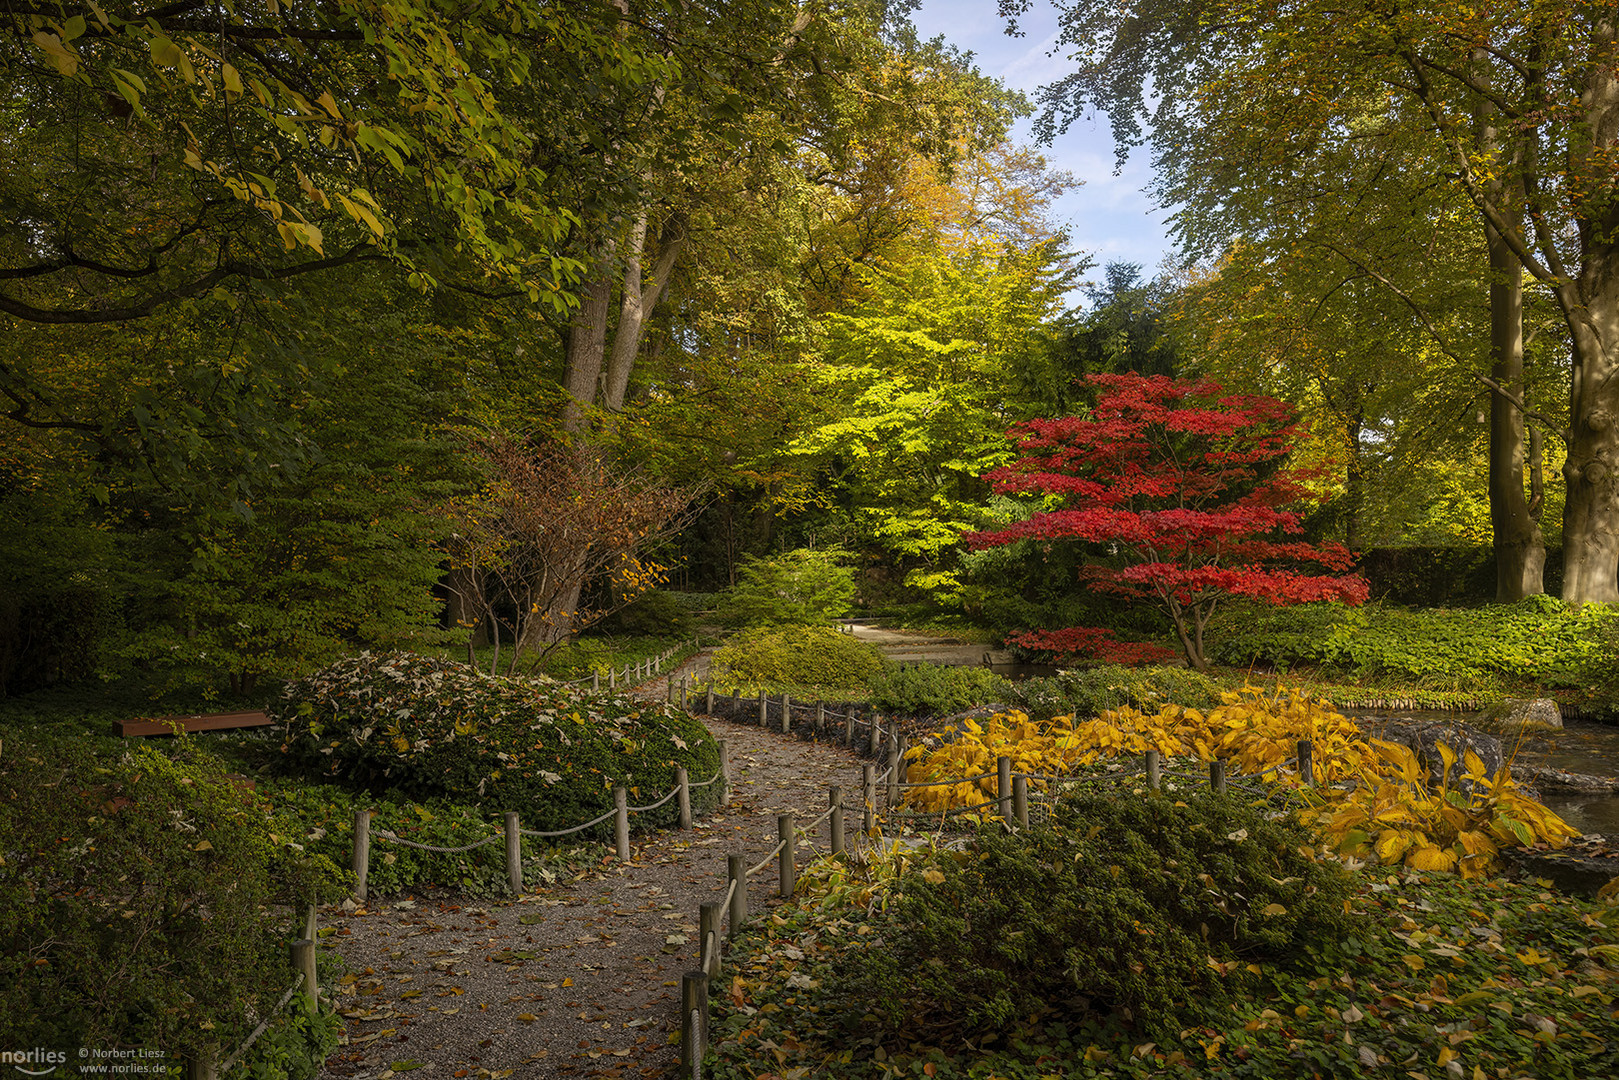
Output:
x=1090 y=642
x=1186 y=483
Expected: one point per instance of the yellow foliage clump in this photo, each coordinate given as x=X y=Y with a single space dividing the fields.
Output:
x=1054 y=748
x=1370 y=799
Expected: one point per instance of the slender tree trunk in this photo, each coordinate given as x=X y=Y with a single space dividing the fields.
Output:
x=1355 y=483
x=463 y=605
x=1520 y=550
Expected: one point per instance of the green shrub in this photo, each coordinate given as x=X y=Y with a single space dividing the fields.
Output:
x=806 y=660
x=935 y=690
x=435 y=729
x=802 y=587
x=1087 y=692
x=1537 y=640
x=145 y=900
x=1118 y=906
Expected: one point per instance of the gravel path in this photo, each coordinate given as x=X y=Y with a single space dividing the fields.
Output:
x=582 y=979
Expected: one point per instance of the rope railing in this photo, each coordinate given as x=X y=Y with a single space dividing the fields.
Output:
x=764 y=862
x=297 y=981
x=513 y=832
x=302 y=954
x=386 y=835
x=570 y=832
x=653 y=806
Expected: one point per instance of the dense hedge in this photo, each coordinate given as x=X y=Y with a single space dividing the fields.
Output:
x=435 y=729
x=1540 y=640
x=807 y=661
x=931 y=690
x=145 y=900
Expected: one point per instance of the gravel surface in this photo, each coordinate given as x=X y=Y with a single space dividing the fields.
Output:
x=581 y=979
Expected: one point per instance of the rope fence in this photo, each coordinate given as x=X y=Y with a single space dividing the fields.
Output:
x=301 y=953
x=513 y=832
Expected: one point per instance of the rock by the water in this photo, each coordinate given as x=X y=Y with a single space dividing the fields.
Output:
x=1571 y=872
x=1423 y=739
x=1563 y=782
x=1513 y=715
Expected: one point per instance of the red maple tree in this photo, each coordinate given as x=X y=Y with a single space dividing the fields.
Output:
x=1186 y=485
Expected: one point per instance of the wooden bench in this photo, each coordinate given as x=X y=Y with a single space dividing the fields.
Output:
x=164 y=725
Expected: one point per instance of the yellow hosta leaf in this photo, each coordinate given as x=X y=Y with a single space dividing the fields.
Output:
x=1431 y=858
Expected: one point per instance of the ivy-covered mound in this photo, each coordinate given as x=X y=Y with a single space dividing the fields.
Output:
x=428 y=727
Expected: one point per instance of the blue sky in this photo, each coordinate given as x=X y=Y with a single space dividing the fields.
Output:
x=1109 y=217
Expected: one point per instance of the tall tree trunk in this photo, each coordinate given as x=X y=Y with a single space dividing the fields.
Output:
x=1591 y=514
x=1520 y=550
x=640 y=296
x=1590 y=305
x=586 y=349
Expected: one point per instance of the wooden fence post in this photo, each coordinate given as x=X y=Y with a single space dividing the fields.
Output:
x=1307 y=762
x=1003 y=786
x=1020 y=799
x=683 y=690
x=786 y=713
x=1217 y=777
x=736 y=873
x=1155 y=771
x=868 y=781
x=362 y=853
x=202 y=1068
x=708 y=936
x=302 y=955
x=834 y=796
x=820 y=717
x=693 y=1022
x=514 y=853
x=876 y=734
x=595 y=682
x=764 y=710
x=708 y=701
x=683 y=799
x=894 y=770
x=736 y=703
x=621 y=823
x=848 y=728
x=725 y=774
x=786 y=863
x=612 y=679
